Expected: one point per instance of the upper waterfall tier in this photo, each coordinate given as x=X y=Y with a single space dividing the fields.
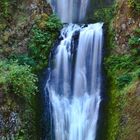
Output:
x=70 y=11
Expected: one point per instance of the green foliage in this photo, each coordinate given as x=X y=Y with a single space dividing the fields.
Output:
x=44 y=34
x=123 y=71
x=137 y=31
x=17 y=79
x=120 y=73
x=104 y=14
x=16 y=72
x=4 y=6
x=123 y=80
x=135 y=5
x=119 y=65
x=134 y=41
x=116 y=63
x=23 y=59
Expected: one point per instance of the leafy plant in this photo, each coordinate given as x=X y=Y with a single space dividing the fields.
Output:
x=4 y=5
x=123 y=80
x=137 y=31
x=23 y=59
x=44 y=34
x=134 y=41
x=135 y=5
x=104 y=14
x=117 y=62
x=122 y=72
x=17 y=79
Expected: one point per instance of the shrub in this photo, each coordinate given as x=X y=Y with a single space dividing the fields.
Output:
x=23 y=59
x=17 y=79
x=123 y=69
x=44 y=34
x=137 y=31
x=119 y=62
x=135 y=5
x=104 y=14
x=124 y=80
x=134 y=41
x=4 y=6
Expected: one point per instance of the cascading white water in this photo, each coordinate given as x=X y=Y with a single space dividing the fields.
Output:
x=70 y=10
x=74 y=77
x=74 y=83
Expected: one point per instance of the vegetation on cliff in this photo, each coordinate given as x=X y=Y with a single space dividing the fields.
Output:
x=122 y=62
x=122 y=67
x=27 y=33
x=43 y=37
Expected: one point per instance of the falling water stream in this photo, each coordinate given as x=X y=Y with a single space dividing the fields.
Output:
x=73 y=84
x=70 y=10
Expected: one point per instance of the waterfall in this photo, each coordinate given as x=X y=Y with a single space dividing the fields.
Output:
x=73 y=84
x=70 y=10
